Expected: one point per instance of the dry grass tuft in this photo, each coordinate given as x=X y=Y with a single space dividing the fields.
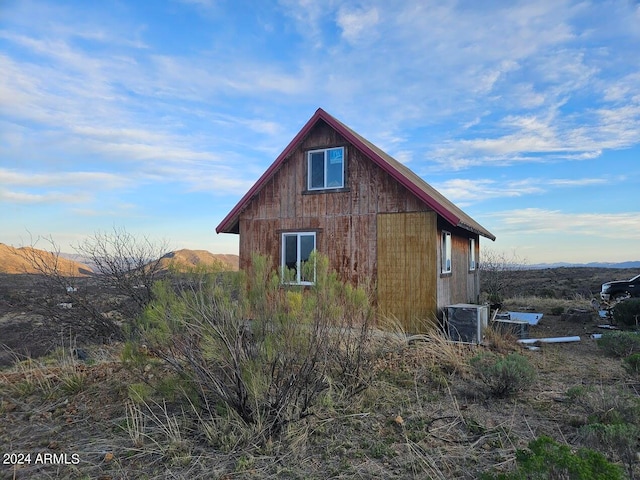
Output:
x=500 y=341
x=547 y=306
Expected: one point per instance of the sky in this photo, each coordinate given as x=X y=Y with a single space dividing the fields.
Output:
x=157 y=116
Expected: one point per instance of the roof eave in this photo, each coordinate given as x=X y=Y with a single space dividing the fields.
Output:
x=398 y=176
x=230 y=223
x=484 y=233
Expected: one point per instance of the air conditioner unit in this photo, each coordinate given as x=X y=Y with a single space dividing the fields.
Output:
x=466 y=322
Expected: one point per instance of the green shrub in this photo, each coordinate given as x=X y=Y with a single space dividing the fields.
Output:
x=619 y=439
x=620 y=344
x=632 y=364
x=547 y=293
x=612 y=422
x=627 y=312
x=545 y=458
x=272 y=369
x=504 y=375
x=605 y=404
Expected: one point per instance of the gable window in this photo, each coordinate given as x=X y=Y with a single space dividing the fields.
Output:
x=472 y=254
x=446 y=252
x=296 y=250
x=325 y=168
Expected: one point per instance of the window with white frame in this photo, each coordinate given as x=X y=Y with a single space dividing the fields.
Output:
x=325 y=168
x=446 y=252
x=472 y=254
x=296 y=250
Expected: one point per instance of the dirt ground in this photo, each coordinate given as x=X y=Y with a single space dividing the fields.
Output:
x=26 y=327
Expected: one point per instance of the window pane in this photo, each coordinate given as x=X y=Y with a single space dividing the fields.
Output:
x=316 y=170
x=446 y=252
x=335 y=163
x=307 y=245
x=472 y=254
x=291 y=251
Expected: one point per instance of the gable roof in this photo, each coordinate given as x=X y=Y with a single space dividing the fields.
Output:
x=416 y=185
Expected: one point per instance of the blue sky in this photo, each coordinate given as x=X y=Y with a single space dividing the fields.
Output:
x=157 y=116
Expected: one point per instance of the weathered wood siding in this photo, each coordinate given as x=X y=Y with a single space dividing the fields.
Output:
x=344 y=221
x=407 y=249
x=461 y=285
x=347 y=231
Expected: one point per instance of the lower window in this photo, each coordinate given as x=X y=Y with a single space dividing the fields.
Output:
x=296 y=251
x=472 y=254
x=446 y=252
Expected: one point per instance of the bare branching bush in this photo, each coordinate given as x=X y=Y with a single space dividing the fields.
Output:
x=66 y=305
x=119 y=289
x=497 y=272
x=262 y=349
x=125 y=262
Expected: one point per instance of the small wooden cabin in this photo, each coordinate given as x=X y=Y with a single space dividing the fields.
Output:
x=334 y=191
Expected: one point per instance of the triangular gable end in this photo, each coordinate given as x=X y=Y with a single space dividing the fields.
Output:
x=418 y=187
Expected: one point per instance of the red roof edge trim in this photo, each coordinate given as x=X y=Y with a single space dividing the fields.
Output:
x=379 y=158
x=373 y=156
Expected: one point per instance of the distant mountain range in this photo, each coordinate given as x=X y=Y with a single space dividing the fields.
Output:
x=628 y=264
x=20 y=261
x=15 y=261
x=28 y=260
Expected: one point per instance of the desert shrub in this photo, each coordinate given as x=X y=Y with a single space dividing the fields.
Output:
x=627 y=312
x=559 y=310
x=605 y=404
x=547 y=293
x=545 y=458
x=503 y=375
x=631 y=364
x=619 y=343
x=267 y=351
x=612 y=421
x=619 y=439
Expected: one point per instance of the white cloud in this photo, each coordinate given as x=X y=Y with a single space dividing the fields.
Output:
x=27 y=198
x=308 y=15
x=554 y=136
x=466 y=192
x=93 y=180
x=355 y=24
x=622 y=226
x=576 y=182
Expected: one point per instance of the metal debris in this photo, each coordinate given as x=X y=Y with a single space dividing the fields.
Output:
x=530 y=318
x=528 y=341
